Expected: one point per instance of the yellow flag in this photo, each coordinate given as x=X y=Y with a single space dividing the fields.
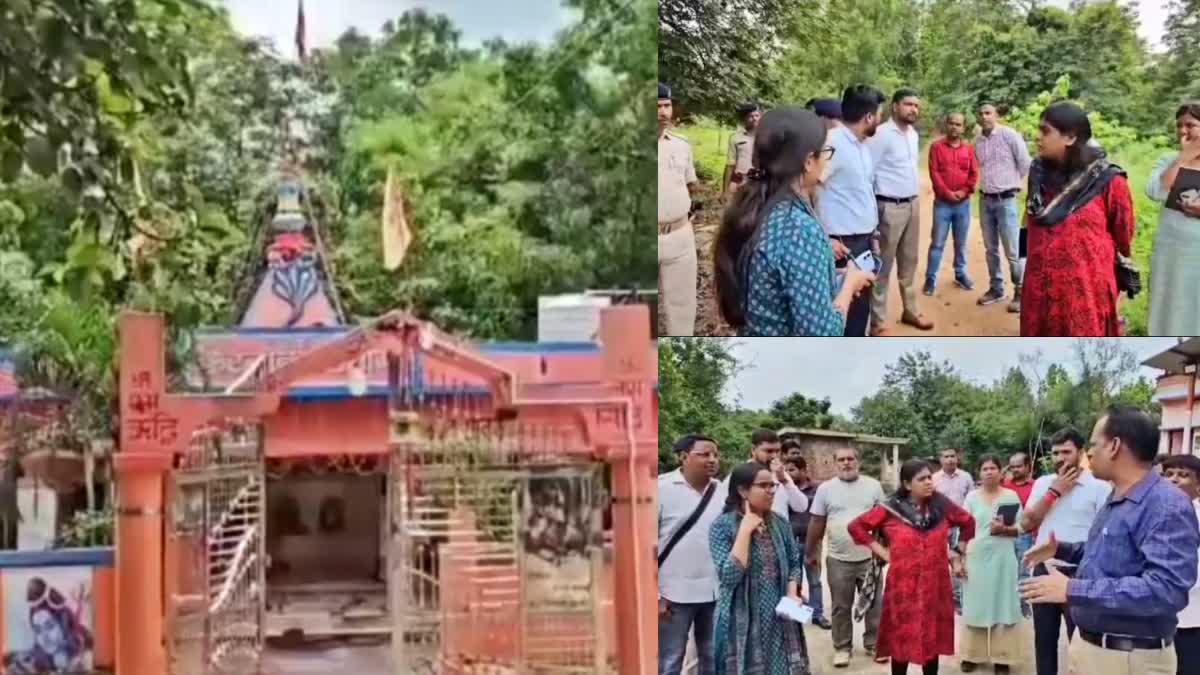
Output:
x=396 y=235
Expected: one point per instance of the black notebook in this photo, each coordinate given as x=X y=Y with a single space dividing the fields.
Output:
x=1008 y=512
x=1187 y=181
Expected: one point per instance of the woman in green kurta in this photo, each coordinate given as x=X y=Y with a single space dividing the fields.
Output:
x=1175 y=263
x=757 y=563
x=991 y=607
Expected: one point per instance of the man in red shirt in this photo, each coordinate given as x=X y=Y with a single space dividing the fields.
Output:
x=954 y=171
x=1021 y=482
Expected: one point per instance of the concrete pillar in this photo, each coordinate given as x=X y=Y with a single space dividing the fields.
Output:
x=141 y=634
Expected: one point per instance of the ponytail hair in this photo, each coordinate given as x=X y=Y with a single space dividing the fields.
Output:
x=785 y=139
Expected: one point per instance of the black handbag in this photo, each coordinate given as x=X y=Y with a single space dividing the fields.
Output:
x=1129 y=277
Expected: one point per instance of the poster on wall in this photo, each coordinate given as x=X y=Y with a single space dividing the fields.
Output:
x=560 y=531
x=48 y=614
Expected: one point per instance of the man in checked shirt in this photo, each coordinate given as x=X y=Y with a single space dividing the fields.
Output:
x=1138 y=563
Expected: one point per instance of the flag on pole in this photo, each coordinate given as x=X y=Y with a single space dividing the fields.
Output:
x=396 y=235
x=300 y=41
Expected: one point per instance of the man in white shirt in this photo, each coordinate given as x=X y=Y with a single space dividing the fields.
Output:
x=956 y=484
x=894 y=153
x=1184 y=472
x=687 y=578
x=838 y=501
x=764 y=449
x=1063 y=503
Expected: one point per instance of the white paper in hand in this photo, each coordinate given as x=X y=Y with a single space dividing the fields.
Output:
x=789 y=608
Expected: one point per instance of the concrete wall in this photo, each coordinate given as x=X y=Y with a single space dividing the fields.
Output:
x=819 y=454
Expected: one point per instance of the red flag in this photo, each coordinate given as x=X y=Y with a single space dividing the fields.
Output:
x=300 y=33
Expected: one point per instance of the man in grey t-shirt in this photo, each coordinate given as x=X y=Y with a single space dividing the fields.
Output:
x=837 y=502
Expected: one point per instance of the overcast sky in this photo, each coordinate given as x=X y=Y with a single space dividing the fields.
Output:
x=325 y=20
x=846 y=370
x=1151 y=13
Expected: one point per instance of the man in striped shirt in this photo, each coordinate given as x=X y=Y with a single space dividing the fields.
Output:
x=1003 y=165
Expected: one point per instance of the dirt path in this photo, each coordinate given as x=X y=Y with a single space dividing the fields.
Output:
x=952 y=309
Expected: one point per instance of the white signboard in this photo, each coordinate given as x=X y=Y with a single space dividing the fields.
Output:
x=569 y=318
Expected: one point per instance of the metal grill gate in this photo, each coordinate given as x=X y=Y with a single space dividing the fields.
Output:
x=215 y=538
x=496 y=551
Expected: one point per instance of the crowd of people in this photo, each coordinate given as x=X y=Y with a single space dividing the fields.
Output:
x=1108 y=542
x=822 y=202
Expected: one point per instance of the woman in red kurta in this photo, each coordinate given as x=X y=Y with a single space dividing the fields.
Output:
x=916 y=622
x=1079 y=217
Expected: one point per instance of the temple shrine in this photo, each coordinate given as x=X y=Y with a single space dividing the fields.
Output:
x=478 y=504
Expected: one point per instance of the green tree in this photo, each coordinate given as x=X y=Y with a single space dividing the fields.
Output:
x=799 y=411
x=716 y=53
x=692 y=375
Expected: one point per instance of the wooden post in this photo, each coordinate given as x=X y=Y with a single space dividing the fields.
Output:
x=1189 y=445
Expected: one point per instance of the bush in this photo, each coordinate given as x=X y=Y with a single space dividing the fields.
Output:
x=87 y=528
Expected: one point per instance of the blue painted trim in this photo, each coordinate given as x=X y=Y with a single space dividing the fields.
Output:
x=333 y=392
x=326 y=331
x=540 y=347
x=98 y=556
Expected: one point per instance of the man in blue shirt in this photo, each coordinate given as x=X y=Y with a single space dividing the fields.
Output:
x=895 y=150
x=1138 y=563
x=846 y=198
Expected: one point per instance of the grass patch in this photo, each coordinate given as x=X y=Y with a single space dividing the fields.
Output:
x=710 y=147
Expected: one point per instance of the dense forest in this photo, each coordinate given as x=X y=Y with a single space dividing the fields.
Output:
x=138 y=140
x=956 y=53
x=919 y=397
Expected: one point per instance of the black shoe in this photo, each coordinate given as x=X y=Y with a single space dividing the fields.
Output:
x=1001 y=669
x=967 y=666
x=928 y=290
x=965 y=284
x=991 y=297
x=822 y=623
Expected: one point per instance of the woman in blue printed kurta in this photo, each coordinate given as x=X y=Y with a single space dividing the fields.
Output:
x=774 y=271
x=757 y=563
x=793 y=284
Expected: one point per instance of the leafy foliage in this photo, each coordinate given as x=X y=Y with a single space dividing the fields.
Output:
x=956 y=53
x=935 y=407
x=525 y=168
x=920 y=398
x=138 y=140
x=693 y=375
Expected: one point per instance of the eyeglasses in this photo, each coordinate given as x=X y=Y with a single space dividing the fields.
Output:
x=826 y=152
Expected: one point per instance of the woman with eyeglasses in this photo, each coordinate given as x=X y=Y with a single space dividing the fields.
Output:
x=916 y=623
x=1175 y=181
x=757 y=563
x=774 y=267
x=1079 y=220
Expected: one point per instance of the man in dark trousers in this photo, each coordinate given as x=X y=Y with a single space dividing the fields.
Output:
x=1184 y=472
x=1139 y=561
x=797 y=467
x=846 y=197
x=689 y=499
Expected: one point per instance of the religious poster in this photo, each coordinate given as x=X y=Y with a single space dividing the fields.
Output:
x=48 y=620
x=560 y=519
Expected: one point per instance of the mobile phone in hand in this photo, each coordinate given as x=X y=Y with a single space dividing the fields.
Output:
x=866 y=262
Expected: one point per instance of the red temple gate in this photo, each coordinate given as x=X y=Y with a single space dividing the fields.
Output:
x=494 y=494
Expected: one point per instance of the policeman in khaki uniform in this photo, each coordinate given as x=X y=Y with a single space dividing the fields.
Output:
x=741 y=149
x=676 y=240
